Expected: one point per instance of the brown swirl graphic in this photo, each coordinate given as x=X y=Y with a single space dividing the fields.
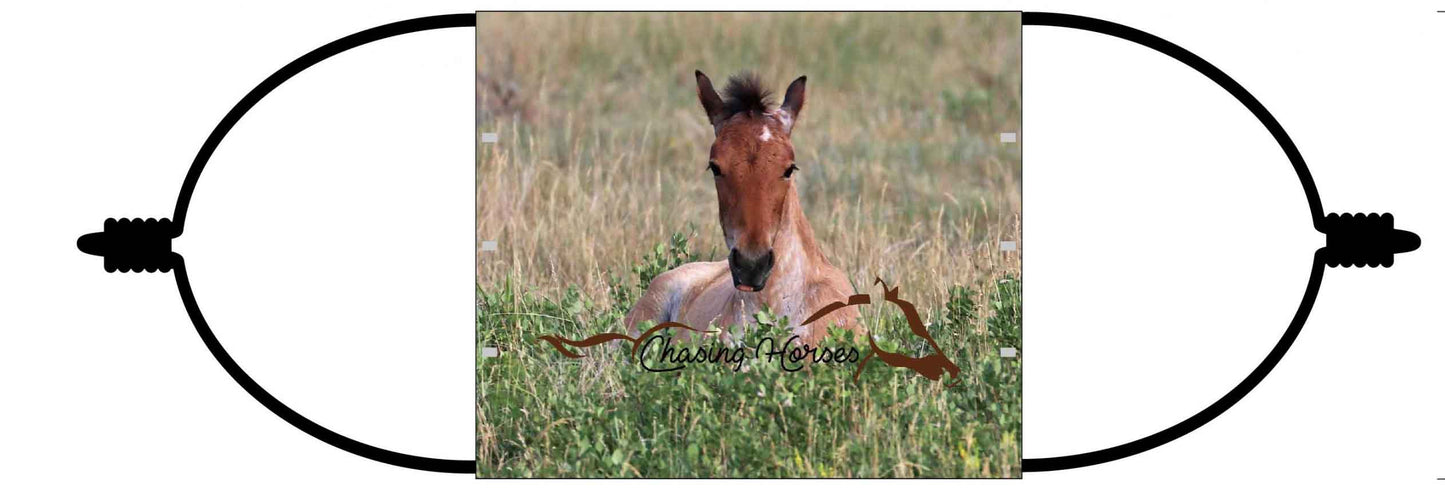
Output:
x=932 y=366
x=605 y=337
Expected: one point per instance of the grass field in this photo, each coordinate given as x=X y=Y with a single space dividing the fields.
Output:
x=598 y=183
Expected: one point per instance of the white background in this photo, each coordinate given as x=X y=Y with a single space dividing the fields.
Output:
x=329 y=243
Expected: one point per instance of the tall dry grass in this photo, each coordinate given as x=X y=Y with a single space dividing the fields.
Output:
x=603 y=144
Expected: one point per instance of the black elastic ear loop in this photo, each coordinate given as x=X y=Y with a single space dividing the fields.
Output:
x=1352 y=240
x=183 y=282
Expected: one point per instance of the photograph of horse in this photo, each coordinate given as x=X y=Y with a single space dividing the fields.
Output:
x=742 y=184
x=773 y=257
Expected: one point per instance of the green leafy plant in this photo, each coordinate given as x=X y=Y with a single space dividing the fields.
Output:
x=540 y=414
x=662 y=258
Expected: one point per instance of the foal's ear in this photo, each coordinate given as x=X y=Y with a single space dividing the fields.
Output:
x=793 y=101
x=712 y=104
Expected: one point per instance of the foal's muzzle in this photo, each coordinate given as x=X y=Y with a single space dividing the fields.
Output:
x=750 y=274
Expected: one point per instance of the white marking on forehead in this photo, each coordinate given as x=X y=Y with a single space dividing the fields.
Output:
x=767 y=134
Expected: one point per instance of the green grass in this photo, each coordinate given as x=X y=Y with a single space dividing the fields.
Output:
x=543 y=415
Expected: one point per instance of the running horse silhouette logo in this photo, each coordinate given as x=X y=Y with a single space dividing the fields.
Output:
x=932 y=366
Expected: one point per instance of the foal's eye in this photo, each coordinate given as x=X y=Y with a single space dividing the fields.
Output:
x=716 y=171
x=788 y=173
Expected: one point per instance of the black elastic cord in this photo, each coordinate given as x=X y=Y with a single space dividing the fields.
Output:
x=1316 y=273
x=343 y=442
x=290 y=70
x=183 y=283
x=1209 y=413
x=1307 y=182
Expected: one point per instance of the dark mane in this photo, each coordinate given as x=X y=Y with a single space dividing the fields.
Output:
x=745 y=93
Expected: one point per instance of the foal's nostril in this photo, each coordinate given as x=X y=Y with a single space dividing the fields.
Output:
x=750 y=274
x=743 y=262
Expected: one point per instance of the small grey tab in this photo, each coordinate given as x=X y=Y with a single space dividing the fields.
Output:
x=489 y=246
x=1008 y=137
x=490 y=352
x=1008 y=352
x=489 y=137
x=1008 y=246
